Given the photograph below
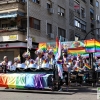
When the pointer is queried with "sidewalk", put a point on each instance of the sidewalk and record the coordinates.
(71, 91)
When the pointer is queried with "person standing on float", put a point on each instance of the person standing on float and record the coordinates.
(40, 58)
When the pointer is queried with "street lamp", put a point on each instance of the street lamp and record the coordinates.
(90, 32)
(27, 23)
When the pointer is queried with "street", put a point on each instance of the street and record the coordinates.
(75, 93)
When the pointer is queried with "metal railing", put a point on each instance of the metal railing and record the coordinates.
(11, 1)
(16, 28)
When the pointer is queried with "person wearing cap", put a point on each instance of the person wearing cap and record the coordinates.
(40, 58)
(27, 58)
(5, 60)
(16, 61)
(5, 63)
(51, 58)
(66, 68)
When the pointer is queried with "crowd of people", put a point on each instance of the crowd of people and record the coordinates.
(66, 64)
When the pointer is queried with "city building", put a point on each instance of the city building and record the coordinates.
(86, 18)
(47, 19)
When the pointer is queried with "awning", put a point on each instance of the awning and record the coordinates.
(8, 15)
(12, 14)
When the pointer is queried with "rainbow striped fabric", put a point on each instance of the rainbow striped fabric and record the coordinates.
(78, 47)
(92, 45)
(87, 66)
(24, 80)
(42, 46)
(80, 50)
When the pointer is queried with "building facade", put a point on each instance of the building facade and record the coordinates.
(69, 19)
(86, 18)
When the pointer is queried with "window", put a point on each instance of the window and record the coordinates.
(5, 25)
(49, 4)
(91, 2)
(97, 31)
(36, 1)
(80, 24)
(77, 23)
(83, 14)
(34, 23)
(91, 15)
(97, 4)
(61, 11)
(83, 27)
(84, 1)
(49, 28)
(97, 17)
(61, 32)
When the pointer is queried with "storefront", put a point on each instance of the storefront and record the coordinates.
(13, 49)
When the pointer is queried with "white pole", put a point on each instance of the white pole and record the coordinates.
(27, 23)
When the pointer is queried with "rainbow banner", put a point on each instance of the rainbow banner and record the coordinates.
(42, 46)
(97, 46)
(92, 46)
(24, 80)
(87, 66)
(79, 50)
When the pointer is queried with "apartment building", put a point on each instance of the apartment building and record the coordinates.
(13, 29)
(47, 20)
(86, 18)
(97, 9)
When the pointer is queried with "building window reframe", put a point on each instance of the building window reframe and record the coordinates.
(61, 11)
(97, 4)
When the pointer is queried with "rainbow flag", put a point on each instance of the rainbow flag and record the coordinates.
(92, 45)
(89, 45)
(87, 66)
(57, 45)
(97, 46)
(79, 50)
(42, 46)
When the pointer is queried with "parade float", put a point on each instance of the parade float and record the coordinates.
(40, 77)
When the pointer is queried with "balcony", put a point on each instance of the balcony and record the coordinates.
(11, 29)
(11, 1)
(8, 7)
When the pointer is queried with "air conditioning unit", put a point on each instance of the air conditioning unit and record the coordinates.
(51, 35)
(51, 10)
(62, 14)
(58, 13)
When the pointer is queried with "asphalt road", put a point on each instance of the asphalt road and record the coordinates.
(75, 93)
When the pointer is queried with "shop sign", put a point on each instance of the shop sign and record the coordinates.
(13, 37)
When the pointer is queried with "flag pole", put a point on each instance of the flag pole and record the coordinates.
(27, 23)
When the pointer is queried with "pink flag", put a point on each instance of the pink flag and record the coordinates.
(58, 54)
